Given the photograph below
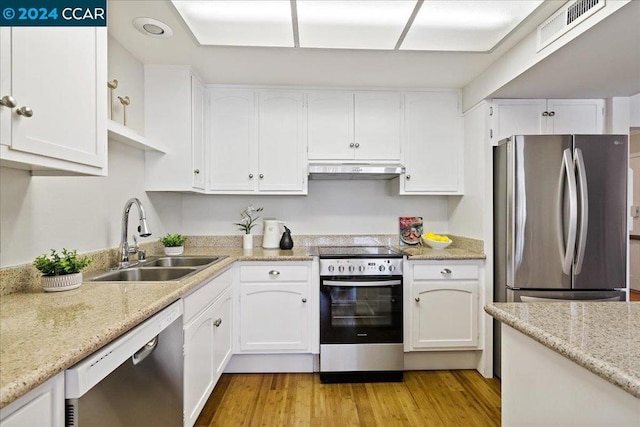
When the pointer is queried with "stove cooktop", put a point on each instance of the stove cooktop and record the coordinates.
(336, 252)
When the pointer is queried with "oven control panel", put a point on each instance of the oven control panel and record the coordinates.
(361, 267)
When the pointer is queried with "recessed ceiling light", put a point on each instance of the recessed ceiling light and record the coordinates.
(152, 27)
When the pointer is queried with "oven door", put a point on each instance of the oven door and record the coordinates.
(361, 310)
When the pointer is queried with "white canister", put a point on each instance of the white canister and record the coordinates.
(271, 233)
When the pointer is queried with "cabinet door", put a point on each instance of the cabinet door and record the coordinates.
(222, 338)
(199, 369)
(582, 116)
(377, 125)
(518, 117)
(60, 74)
(330, 125)
(281, 143)
(274, 318)
(432, 141)
(198, 132)
(42, 406)
(444, 314)
(232, 145)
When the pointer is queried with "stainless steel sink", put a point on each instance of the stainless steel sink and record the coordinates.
(181, 261)
(138, 274)
(163, 269)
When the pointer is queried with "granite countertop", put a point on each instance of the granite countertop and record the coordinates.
(603, 337)
(42, 334)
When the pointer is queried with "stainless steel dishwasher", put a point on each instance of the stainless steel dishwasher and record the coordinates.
(134, 381)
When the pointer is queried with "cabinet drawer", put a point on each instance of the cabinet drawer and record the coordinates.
(205, 295)
(444, 272)
(274, 273)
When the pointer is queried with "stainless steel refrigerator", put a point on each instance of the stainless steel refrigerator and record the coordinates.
(560, 219)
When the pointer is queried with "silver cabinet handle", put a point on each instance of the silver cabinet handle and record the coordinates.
(304, 300)
(552, 113)
(417, 299)
(545, 114)
(352, 145)
(408, 177)
(357, 145)
(261, 175)
(274, 273)
(197, 171)
(25, 111)
(217, 323)
(8, 101)
(250, 176)
(446, 271)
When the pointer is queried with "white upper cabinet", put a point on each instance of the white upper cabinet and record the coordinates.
(546, 116)
(174, 100)
(231, 140)
(57, 77)
(432, 144)
(361, 126)
(257, 142)
(281, 147)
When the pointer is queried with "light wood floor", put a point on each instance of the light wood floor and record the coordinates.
(425, 398)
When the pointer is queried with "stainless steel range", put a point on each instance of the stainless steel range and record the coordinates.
(360, 314)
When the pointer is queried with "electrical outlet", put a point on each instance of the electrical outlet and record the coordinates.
(635, 211)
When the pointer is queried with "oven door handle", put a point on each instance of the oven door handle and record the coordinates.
(359, 284)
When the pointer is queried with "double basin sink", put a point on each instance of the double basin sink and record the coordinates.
(163, 269)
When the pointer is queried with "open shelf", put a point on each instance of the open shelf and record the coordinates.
(125, 135)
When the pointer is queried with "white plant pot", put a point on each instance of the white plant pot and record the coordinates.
(173, 250)
(247, 241)
(65, 282)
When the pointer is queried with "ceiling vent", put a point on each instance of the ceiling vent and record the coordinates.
(569, 16)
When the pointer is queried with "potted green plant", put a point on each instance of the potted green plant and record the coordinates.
(247, 222)
(173, 244)
(61, 272)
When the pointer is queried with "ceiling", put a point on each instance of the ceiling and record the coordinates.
(576, 71)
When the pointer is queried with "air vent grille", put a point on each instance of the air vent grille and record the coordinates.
(566, 18)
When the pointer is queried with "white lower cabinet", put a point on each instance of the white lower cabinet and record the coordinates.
(441, 306)
(42, 406)
(275, 313)
(207, 342)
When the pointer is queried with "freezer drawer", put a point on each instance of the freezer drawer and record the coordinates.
(551, 296)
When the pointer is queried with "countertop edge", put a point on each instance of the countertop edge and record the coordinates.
(598, 366)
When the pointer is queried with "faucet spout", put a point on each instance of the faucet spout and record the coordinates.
(143, 230)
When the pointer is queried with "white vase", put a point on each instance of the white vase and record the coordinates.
(247, 241)
(173, 250)
(64, 282)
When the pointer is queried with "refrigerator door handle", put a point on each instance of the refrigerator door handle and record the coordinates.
(567, 248)
(584, 210)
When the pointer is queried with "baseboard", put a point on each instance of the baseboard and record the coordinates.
(271, 363)
(441, 360)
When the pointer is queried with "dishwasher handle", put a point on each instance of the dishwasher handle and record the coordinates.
(145, 351)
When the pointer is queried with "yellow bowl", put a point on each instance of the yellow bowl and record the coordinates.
(435, 244)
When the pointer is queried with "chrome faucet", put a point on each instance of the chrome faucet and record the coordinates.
(143, 231)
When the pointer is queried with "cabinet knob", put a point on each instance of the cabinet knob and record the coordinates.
(545, 114)
(8, 101)
(197, 171)
(408, 177)
(357, 145)
(446, 271)
(25, 111)
(304, 300)
(261, 175)
(217, 323)
(250, 176)
(274, 273)
(352, 145)
(417, 299)
(552, 113)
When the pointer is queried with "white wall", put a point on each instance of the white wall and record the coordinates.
(46, 212)
(129, 72)
(332, 207)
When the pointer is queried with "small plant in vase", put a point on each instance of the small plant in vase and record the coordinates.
(61, 272)
(247, 222)
(173, 244)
